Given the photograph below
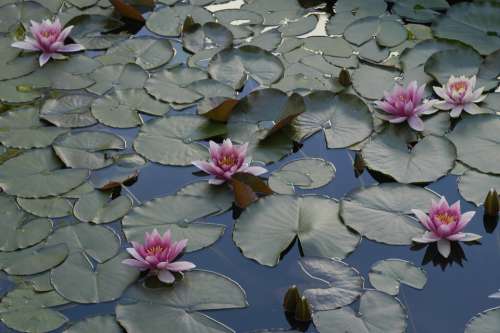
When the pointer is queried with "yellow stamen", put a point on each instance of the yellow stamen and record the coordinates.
(155, 250)
(445, 218)
(459, 87)
(227, 160)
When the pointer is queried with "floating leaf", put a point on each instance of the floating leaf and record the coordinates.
(428, 160)
(197, 291)
(33, 260)
(348, 11)
(387, 275)
(378, 313)
(172, 140)
(37, 173)
(109, 77)
(147, 52)
(168, 21)
(68, 111)
(19, 230)
(371, 82)
(345, 119)
(102, 324)
(474, 186)
(28, 311)
(419, 11)
(98, 207)
(477, 141)
(265, 229)
(484, 322)
(47, 207)
(120, 108)
(80, 281)
(442, 64)
(382, 213)
(197, 37)
(304, 174)
(340, 284)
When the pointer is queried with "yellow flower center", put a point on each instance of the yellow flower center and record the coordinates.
(459, 87)
(227, 160)
(445, 218)
(155, 250)
(47, 34)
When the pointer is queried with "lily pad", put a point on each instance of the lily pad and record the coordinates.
(172, 140)
(475, 24)
(197, 37)
(345, 119)
(80, 281)
(304, 174)
(371, 82)
(168, 21)
(378, 313)
(47, 207)
(33, 260)
(120, 108)
(339, 284)
(348, 11)
(442, 64)
(383, 213)
(102, 324)
(266, 228)
(484, 322)
(197, 291)
(68, 111)
(477, 141)
(19, 230)
(109, 77)
(147, 52)
(98, 207)
(387, 275)
(37, 173)
(431, 158)
(25, 310)
(474, 186)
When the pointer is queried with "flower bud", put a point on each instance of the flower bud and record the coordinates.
(291, 299)
(302, 311)
(345, 78)
(491, 203)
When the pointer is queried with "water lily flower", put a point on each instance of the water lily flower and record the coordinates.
(405, 104)
(458, 95)
(158, 255)
(226, 160)
(444, 224)
(49, 39)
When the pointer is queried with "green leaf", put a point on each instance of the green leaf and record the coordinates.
(382, 213)
(109, 77)
(98, 207)
(387, 275)
(168, 21)
(102, 324)
(474, 186)
(484, 322)
(68, 111)
(442, 64)
(33, 260)
(266, 228)
(47, 207)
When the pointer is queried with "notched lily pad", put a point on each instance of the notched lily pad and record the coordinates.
(387, 275)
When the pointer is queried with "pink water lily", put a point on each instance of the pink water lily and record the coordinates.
(226, 160)
(405, 104)
(49, 39)
(158, 255)
(444, 224)
(459, 95)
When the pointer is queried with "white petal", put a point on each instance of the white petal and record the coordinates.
(444, 247)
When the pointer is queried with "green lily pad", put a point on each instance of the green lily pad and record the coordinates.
(172, 140)
(47, 207)
(33, 260)
(41, 282)
(102, 324)
(338, 283)
(442, 64)
(391, 33)
(418, 10)
(168, 21)
(147, 52)
(345, 119)
(231, 66)
(197, 37)
(475, 24)
(484, 322)
(14, 14)
(371, 82)
(109, 77)
(19, 230)
(98, 207)
(477, 141)
(378, 313)
(120, 108)
(348, 11)
(80, 281)
(22, 128)
(431, 158)
(37, 173)
(383, 213)
(28, 311)
(387, 275)
(474, 186)
(199, 290)
(305, 174)
(266, 228)
(68, 111)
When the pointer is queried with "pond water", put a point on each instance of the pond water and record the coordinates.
(457, 287)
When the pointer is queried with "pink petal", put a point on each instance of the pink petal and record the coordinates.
(456, 111)
(70, 48)
(216, 181)
(133, 252)
(214, 150)
(444, 247)
(470, 237)
(180, 266)
(255, 170)
(472, 108)
(44, 58)
(443, 105)
(422, 217)
(166, 277)
(26, 46)
(209, 168)
(464, 220)
(136, 263)
(427, 237)
(416, 123)
(440, 92)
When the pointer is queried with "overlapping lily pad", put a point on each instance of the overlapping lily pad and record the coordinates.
(33, 260)
(47, 207)
(99, 207)
(484, 322)
(68, 111)
(269, 226)
(474, 186)
(109, 77)
(104, 324)
(382, 213)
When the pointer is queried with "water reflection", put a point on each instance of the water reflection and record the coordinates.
(457, 254)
